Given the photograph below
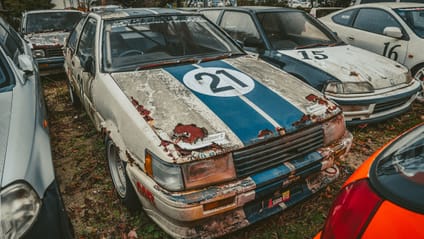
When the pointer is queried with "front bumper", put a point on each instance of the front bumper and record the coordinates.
(221, 209)
(378, 107)
(52, 221)
(51, 65)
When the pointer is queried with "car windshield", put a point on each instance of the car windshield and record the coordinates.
(145, 42)
(51, 21)
(294, 30)
(414, 17)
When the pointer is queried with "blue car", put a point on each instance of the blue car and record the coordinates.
(30, 201)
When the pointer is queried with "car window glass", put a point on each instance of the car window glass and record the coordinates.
(51, 21)
(13, 45)
(73, 37)
(414, 18)
(4, 81)
(374, 20)
(86, 45)
(239, 26)
(288, 30)
(212, 15)
(343, 18)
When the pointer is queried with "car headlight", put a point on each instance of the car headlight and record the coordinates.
(38, 53)
(20, 206)
(190, 175)
(349, 88)
(334, 129)
(209, 171)
(165, 174)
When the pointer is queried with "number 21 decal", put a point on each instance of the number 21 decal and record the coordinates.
(319, 55)
(220, 82)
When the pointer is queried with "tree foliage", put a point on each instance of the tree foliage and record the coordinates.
(14, 8)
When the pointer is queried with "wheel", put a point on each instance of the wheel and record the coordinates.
(72, 97)
(121, 182)
(131, 52)
(418, 73)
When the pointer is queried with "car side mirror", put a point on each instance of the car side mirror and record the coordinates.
(394, 32)
(25, 64)
(89, 65)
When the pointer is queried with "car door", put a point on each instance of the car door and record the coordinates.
(367, 32)
(83, 67)
(70, 50)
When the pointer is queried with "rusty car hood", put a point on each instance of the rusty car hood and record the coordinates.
(47, 38)
(5, 108)
(233, 102)
(351, 64)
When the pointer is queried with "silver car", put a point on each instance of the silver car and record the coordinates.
(30, 202)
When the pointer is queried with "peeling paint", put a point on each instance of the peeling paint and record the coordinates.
(143, 112)
(189, 133)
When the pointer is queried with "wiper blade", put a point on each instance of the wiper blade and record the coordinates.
(167, 63)
(316, 45)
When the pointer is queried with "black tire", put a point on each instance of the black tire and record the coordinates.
(418, 71)
(121, 182)
(72, 96)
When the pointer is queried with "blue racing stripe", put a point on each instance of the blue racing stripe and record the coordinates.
(282, 111)
(242, 119)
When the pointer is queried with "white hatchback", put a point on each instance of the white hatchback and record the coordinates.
(394, 30)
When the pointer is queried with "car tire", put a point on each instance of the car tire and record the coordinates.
(418, 73)
(72, 96)
(121, 182)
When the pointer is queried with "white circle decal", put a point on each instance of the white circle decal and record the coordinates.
(220, 82)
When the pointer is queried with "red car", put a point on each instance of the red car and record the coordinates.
(384, 198)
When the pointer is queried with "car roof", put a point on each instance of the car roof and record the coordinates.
(140, 12)
(254, 9)
(52, 10)
(391, 5)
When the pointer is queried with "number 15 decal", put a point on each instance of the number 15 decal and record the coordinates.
(319, 55)
(220, 82)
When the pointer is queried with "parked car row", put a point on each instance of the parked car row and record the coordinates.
(212, 121)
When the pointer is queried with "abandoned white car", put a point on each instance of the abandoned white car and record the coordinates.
(369, 88)
(205, 136)
(394, 30)
(47, 31)
(30, 202)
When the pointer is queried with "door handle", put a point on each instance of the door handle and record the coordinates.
(351, 38)
(73, 63)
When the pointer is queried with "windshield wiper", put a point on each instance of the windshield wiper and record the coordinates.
(316, 45)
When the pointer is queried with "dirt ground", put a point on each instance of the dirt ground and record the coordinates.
(96, 212)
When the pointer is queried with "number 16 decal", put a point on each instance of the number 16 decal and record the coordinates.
(220, 82)
(390, 51)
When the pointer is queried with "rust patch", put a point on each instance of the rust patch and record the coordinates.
(189, 133)
(281, 131)
(316, 99)
(303, 120)
(130, 158)
(354, 73)
(143, 112)
(265, 132)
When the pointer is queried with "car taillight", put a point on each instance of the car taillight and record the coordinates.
(352, 210)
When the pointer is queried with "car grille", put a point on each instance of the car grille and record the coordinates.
(381, 107)
(258, 157)
(51, 52)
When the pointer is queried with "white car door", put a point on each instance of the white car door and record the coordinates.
(83, 66)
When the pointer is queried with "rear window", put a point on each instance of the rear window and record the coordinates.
(51, 21)
(398, 173)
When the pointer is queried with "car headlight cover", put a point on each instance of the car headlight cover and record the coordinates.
(349, 88)
(38, 53)
(165, 174)
(334, 129)
(209, 171)
(20, 206)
